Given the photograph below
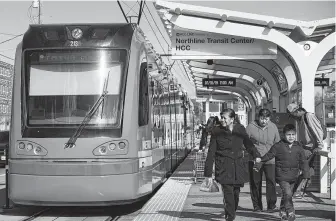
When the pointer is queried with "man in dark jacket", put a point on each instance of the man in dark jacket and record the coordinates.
(290, 161)
(263, 134)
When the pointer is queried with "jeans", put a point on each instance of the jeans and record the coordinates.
(286, 204)
(256, 185)
(231, 200)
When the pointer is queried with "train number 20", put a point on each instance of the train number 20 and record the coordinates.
(74, 43)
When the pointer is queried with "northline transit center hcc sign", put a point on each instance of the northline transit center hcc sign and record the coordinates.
(204, 45)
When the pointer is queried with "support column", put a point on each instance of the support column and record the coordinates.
(308, 71)
(207, 114)
(252, 116)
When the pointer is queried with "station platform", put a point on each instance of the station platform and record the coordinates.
(179, 199)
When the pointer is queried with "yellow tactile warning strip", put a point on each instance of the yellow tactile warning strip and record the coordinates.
(167, 203)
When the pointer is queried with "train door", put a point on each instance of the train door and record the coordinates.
(172, 103)
(165, 105)
(158, 155)
(145, 125)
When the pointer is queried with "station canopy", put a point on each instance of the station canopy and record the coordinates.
(257, 65)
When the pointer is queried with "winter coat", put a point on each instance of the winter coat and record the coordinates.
(227, 149)
(263, 137)
(288, 161)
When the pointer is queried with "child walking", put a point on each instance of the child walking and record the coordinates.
(290, 162)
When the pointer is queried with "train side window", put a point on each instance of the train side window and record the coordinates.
(143, 95)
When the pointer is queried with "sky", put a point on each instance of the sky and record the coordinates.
(14, 15)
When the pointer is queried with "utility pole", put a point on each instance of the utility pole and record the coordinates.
(37, 4)
(39, 11)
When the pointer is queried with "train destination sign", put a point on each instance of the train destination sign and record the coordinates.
(324, 82)
(188, 44)
(218, 82)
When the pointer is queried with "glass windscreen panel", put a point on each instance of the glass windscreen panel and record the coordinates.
(64, 85)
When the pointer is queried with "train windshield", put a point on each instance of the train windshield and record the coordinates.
(63, 85)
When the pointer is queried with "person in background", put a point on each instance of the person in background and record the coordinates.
(206, 132)
(227, 144)
(310, 135)
(263, 134)
(290, 161)
(199, 129)
(203, 136)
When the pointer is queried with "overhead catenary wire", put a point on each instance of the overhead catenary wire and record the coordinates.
(9, 34)
(178, 64)
(140, 11)
(6, 57)
(122, 10)
(156, 24)
(10, 39)
(131, 9)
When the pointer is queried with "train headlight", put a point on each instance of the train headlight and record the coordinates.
(122, 145)
(22, 146)
(29, 146)
(38, 150)
(112, 146)
(103, 150)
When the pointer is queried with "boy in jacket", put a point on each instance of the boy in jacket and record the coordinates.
(290, 162)
(310, 134)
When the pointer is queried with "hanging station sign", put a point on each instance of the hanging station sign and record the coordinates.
(188, 44)
(321, 82)
(218, 82)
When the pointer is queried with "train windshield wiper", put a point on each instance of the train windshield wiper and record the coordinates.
(71, 142)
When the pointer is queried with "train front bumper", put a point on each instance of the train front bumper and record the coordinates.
(71, 188)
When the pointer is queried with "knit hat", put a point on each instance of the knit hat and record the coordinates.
(292, 108)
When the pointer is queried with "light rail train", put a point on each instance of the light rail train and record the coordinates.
(95, 119)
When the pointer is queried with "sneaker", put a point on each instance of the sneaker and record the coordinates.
(297, 195)
(257, 210)
(291, 217)
(228, 218)
(272, 210)
(283, 215)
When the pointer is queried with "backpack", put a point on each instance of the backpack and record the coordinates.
(324, 129)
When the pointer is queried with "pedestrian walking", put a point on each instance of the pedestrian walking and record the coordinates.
(263, 134)
(227, 145)
(290, 161)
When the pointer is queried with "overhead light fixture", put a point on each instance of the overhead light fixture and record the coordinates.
(306, 47)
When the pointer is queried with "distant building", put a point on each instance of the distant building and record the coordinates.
(6, 79)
